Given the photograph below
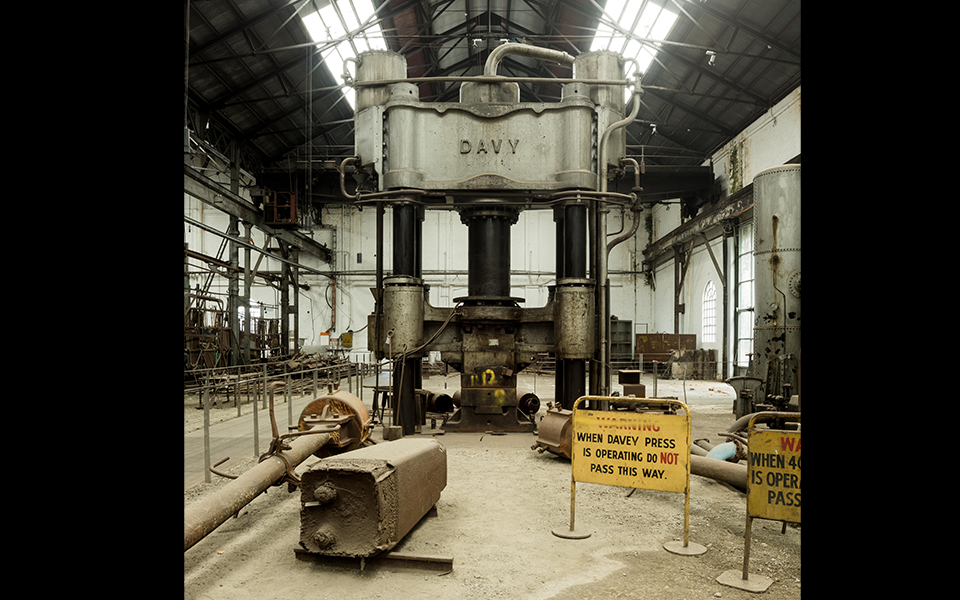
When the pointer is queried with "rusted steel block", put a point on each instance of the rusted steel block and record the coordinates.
(364, 502)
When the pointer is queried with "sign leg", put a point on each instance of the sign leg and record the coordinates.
(571, 534)
(685, 548)
(756, 583)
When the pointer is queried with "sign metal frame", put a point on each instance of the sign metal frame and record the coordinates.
(631, 420)
(748, 582)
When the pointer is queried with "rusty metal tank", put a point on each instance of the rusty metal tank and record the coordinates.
(776, 254)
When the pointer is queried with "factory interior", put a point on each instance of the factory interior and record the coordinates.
(492, 299)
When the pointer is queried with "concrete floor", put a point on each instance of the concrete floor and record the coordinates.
(495, 520)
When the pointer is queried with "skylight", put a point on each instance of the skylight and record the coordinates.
(337, 23)
(640, 19)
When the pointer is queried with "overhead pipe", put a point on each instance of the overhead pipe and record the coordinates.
(523, 198)
(486, 79)
(515, 49)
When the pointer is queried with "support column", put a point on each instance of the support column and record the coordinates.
(558, 376)
(247, 282)
(233, 292)
(378, 300)
(295, 282)
(284, 301)
(572, 238)
(233, 284)
(406, 261)
(679, 272)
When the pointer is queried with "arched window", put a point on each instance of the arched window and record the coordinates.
(710, 313)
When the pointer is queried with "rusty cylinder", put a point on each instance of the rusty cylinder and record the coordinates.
(439, 402)
(529, 403)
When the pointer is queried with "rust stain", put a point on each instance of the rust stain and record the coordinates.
(774, 257)
(775, 222)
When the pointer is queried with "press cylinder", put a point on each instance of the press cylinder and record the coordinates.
(479, 92)
(574, 317)
(377, 65)
(610, 100)
(403, 307)
(602, 64)
(488, 251)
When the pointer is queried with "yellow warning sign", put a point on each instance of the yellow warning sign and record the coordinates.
(773, 482)
(630, 449)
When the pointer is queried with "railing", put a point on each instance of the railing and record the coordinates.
(258, 386)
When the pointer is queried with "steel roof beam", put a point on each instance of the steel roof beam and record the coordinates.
(219, 197)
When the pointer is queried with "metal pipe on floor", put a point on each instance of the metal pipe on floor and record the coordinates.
(733, 473)
(202, 519)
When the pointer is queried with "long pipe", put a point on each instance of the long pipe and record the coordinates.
(733, 473)
(601, 248)
(206, 516)
(628, 234)
(486, 79)
(548, 197)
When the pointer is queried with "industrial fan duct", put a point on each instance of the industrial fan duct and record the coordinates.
(490, 156)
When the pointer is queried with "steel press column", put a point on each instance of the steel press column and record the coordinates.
(406, 262)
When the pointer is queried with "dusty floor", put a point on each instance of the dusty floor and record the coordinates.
(495, 519)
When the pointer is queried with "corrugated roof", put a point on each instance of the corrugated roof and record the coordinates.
(255, 76)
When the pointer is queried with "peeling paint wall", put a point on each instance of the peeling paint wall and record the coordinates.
(771, 140)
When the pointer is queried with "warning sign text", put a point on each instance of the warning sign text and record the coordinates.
(629, 449)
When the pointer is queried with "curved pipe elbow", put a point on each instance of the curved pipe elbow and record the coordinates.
(343, 169)
(515, 49)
